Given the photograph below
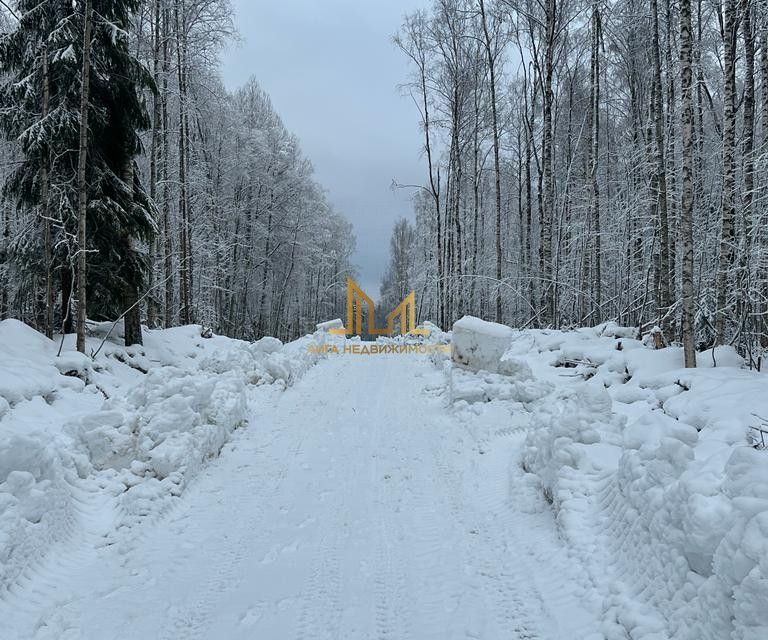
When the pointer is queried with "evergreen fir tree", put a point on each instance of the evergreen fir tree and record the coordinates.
(47, 43)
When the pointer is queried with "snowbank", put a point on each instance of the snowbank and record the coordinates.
(172, 421)
(649, 468)
(23, 377)
(36, 504)
(135, 424)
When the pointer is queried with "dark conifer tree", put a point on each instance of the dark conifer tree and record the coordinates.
(42, 55)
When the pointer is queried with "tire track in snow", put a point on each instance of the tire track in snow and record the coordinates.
(322, 606)
(492, 545)
(263, 483)
(536, 577)
(321, 609)
(40, 593)
(392, 491)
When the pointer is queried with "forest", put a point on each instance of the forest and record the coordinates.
(137, 187)
(590, 161)
(584, 161)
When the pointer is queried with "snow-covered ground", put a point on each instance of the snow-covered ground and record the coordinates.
(126, 430)
(552, 485)
(652, 471)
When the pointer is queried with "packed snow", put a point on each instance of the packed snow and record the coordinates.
(532, 484)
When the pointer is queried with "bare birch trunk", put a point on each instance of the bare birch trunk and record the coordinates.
(664, 294)
(548, 189)
(748, 160)
(594, 151)
(496, 159)
(686, 209)
(183, 200)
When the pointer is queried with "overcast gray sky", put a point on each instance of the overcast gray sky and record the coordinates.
(332, 72)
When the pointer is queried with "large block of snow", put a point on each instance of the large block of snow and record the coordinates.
(477, 344)
(325, 327)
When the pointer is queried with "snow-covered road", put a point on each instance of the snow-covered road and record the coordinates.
(355, 505)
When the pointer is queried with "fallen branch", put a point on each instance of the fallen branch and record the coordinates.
(124, 313)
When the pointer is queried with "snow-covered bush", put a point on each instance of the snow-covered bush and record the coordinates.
(612, 329)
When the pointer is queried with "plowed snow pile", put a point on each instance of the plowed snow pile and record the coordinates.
(132, 426)
(652, 470)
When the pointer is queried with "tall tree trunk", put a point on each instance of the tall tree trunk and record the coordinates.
(190, 270)
(67, 284)
(671, 138)
(762, 279)
(5, 222)
(434, 188)
(45, 208)
(748, 160)
(593, 161)
(130, 294)
(476, 179)
(686, 208)
(82, 187)
(728, 212)
(455, 230)
(155, 156)
(167, 235)
(528, 244)
(261, 323)
(548, 189)
(490, 53)
(184, 289)
(663, 277)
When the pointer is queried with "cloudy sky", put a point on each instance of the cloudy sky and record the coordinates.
(332, 72)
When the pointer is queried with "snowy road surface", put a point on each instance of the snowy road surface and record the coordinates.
(355, 505)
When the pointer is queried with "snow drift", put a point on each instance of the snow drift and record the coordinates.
(136, 424)
(650, 469)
